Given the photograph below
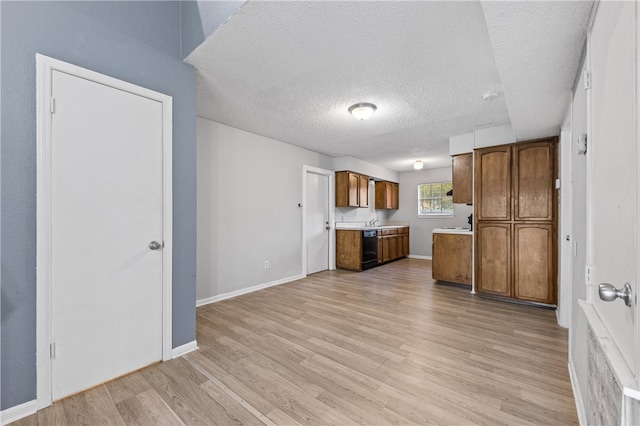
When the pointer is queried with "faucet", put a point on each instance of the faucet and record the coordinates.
(372, 222)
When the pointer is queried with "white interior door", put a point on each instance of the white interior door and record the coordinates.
(106, 209)
(613, 171)
(317, 223)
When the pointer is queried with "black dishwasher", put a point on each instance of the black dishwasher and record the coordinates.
(369, 249)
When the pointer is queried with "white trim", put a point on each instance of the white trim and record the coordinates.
(18, 412)
(417, 256)
(184, 349)
(332, 208)
(44, 68)
(229, 295)
(577, 394)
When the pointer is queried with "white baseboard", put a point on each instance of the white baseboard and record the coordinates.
(240, 292)
(417, 256)
(577, 395)
(184, 349)
(17, 412)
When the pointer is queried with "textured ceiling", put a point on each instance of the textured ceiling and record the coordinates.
(290, 70)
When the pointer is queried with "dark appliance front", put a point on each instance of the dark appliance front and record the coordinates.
(369, 249)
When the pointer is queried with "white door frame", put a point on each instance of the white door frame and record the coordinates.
(44, 71)
(332, 208)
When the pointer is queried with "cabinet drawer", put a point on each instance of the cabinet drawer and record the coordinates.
(389, 231)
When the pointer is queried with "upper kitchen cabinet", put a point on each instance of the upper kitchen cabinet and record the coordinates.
(493, 183)
(534, 167)
(352, 189)
(387, 195)
(463, 178)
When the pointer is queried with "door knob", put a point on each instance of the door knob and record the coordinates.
(154, 245)
(609, 293)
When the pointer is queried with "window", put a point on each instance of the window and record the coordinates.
(433, 199)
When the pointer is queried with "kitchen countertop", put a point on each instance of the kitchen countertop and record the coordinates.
(453, 230)
(357, 226)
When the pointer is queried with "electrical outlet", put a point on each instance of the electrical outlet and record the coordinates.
(266, 264)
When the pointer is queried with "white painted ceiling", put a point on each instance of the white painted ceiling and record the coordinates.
(289, 71)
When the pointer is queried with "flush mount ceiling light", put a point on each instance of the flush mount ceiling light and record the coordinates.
(362, 111)
(489, 96)
(418, 165)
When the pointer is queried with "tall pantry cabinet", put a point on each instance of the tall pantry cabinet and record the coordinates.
(516, 220)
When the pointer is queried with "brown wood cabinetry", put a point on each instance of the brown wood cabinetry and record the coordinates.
(493, 258)
(349, 249)
(352, 189)
(393, 244)
(534, 262)
(387, 197)
(533, 181)
(462, 178)
(493, 183)
(452, 258)
(515, 220)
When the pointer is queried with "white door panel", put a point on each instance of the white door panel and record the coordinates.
(106, 291)
(613, 191)
(316, 222)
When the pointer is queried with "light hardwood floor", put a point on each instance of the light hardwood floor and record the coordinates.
(384, 346)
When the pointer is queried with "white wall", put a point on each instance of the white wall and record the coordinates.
(422, 228)
(249, 188)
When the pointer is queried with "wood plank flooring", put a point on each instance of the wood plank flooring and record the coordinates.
(384, 346)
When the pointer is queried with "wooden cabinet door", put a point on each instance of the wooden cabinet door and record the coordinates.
(462, 178)
(493, 183)
(386, 256)
(395, 196)
(534, 262)
(354, 189)
(493, 258)
(393, 247)
(534, 174)
(405, 243)
(363, 191)
(349, 250)
(452, 258)
(380, 249)
(388, 196)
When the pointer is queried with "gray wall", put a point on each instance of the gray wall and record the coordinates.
(249, 187)
(130, 41)
(422, 228)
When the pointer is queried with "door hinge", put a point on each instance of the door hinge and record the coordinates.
(52, 350)
(587, 80)
(587, 274)
(52, 105)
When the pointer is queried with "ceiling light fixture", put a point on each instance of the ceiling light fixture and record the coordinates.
(489, 96)
(418, 165)
(362, 111)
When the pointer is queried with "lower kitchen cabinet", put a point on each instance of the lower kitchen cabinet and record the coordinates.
(534, 262)
(349, 250)
(517, 261)
(493, 258)
(392, 244)
(452, 257)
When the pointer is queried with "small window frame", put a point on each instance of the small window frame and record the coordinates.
(442, 197)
